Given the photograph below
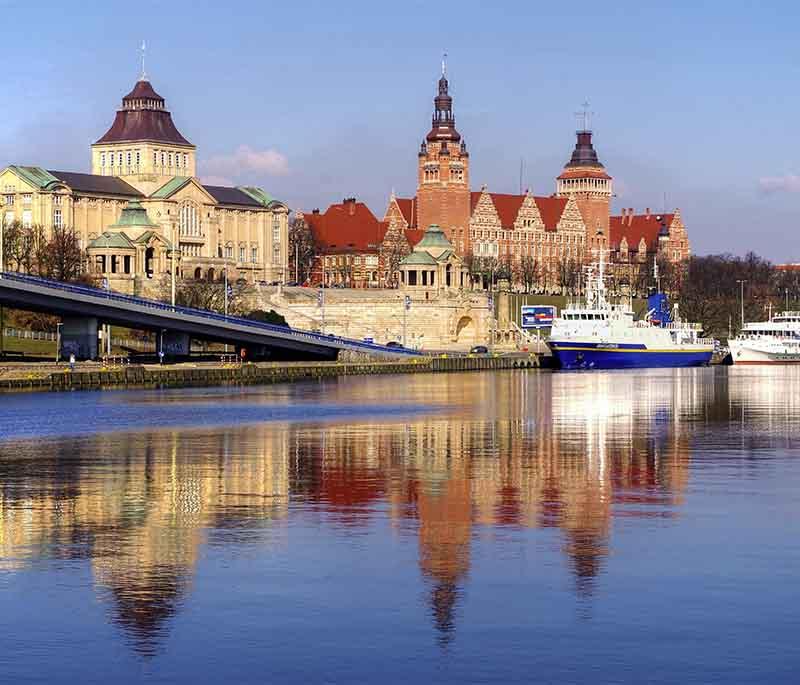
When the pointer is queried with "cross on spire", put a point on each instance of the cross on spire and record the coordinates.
(584, 116)
(142, 50)
(444, 64)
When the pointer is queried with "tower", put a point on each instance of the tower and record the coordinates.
(585, 179)
(143, 146)
(443, 173)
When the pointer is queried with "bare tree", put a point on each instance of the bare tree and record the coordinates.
(302, 249)
(527, 272)
(207, 295)
(63, 259)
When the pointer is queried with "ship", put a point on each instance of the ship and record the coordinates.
(598, 334)
(776, 341)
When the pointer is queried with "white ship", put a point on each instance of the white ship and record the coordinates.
(597, 334)
(776, 341)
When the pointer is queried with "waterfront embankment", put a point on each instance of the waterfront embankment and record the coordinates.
(195, 375)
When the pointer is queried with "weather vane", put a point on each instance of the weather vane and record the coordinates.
(444, 64)
(585, 116)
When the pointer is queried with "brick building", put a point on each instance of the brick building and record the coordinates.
(354, 248)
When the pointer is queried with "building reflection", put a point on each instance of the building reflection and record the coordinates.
(570, 453)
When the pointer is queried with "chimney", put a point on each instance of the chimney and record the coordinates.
(630, 216)
(623, 215)
(315, 211)
(647, 213)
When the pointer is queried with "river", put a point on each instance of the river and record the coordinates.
(451, 528)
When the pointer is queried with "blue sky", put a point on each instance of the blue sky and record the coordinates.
(316, 101)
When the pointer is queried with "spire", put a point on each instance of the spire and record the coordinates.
(584, 154)
(142, 51)
(584, 117)
(443, 123)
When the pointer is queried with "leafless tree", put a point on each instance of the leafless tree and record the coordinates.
(302, 249)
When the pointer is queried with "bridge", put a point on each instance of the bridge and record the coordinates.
(82, 309)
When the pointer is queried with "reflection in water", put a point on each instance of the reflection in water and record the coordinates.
(566, 452)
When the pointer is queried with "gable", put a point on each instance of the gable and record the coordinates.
(183, 188)
(484, 213)
(11, 178)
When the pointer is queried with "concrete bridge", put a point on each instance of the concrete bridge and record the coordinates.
(83, 309)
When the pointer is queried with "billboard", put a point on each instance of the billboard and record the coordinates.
(538, 316)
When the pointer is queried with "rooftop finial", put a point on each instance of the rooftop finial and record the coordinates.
(584, 116)
(142, 50)
(444, 64)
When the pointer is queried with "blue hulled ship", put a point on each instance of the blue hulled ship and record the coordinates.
(596, 334)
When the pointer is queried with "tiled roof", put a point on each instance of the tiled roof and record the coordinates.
(111, 239)
(133, 215)
(34, 175)
(170, 187)
(346, 227)
(508, 206)
(634, 228)
(408, 207)
(98, 185)
(232, 196)
(583, 172)
(414, 235)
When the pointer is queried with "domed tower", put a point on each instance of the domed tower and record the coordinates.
(143, 146)
(585, 179)
(443, 173)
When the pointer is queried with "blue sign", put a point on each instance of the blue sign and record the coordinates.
(538, 316)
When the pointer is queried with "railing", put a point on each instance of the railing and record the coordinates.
(203, 313)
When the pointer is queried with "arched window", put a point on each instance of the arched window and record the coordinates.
(188, 218)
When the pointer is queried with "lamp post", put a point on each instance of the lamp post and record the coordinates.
(741, 284)
(58, 340)
(173, 268)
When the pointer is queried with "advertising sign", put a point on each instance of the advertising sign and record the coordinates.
(538, 316)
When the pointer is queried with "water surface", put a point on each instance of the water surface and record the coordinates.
(478, 527)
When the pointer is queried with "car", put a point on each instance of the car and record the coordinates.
(394, 343)
(291, 284)
(479, 349)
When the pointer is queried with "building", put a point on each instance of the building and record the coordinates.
(433, 264)
(143, 187)
(539, 241)
(354, 248)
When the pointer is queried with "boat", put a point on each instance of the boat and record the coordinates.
(776, 341)
(598, 334)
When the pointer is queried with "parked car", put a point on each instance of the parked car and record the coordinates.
(479, 349)
(394, 343)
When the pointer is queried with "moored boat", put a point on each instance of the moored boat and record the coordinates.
(596, 334)
(776, 341)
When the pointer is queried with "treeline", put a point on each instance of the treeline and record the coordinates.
(710, 291)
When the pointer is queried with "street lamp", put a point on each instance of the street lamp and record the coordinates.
(741, 284)
(173, 268)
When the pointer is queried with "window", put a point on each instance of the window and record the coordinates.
(9, 218)
(170, 159)
(57, 200)
(126, 262)
(138, 158)
(9, 200)
(155, 157)
(241, 254)
(177, 160)
(102, 159)
(128, 157)
(185, 160)
(254, 255)
(27, 198)
(457, 174)
(119, 159)
(276, 254)
(276, 229)
(57, 220)
(229, 251)
(163, 158)
(27, 220)
(188, 220)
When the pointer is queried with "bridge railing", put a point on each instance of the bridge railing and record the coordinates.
(204, 313)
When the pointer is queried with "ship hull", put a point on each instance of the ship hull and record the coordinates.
(745, 354)
(579, 355)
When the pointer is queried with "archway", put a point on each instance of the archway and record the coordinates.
(210, 274)
(465, 330)
(198, 273)
(149, 255)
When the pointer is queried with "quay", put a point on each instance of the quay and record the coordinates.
(197, 375)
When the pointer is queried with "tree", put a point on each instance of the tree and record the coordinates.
(302, 249)
(63, 259)
(527, 272)
(270, 316)
(207, 295)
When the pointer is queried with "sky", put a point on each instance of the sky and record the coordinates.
(695, 103)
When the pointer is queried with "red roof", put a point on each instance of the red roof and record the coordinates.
(414, 235)
(634, 228)
(347, 227)
(787, 267)
(408, 208)
(508, 206)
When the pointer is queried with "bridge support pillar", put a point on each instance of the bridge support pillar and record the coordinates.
(175, 344)
(78, 337)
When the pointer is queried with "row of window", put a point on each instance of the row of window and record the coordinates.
(542, 251)
(27, 218)
(517, 236)
(431, 173)
(133, 158)
(342, 260)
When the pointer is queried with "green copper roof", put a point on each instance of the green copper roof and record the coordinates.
(145, 238)
(170, 187)
(34, 175)
(434, 237)
(257, 194)
(133, 215)
(112, 239)
(418, 259)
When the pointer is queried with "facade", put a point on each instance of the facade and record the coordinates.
(144, 159)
